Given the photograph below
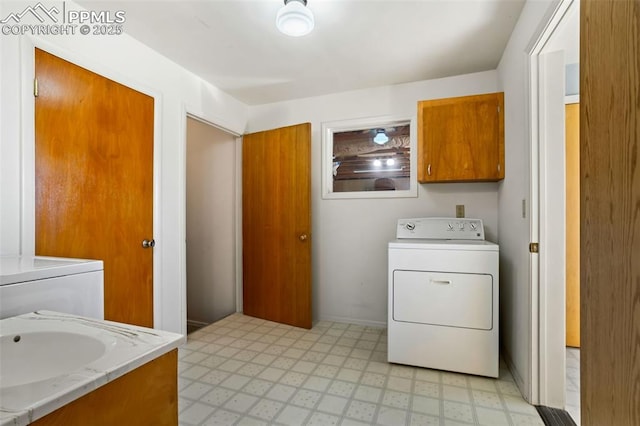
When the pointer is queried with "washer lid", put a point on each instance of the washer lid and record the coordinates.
(429, 244)
(17, 269)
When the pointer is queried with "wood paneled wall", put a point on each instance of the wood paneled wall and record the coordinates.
(610, 216)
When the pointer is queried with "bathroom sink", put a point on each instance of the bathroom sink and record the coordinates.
(35, 356)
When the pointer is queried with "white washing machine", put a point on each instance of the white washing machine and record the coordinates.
(31, 283)
(443, 296)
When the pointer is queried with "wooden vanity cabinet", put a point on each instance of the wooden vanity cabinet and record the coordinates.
(461, 139)
(147, 395)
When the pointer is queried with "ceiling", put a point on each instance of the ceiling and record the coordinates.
(356, 44)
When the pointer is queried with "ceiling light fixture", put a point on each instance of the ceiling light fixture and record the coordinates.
(294, 18)
(381, 137)
(399, 169)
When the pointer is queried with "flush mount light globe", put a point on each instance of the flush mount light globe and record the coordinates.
(294, 18)
(381, 137)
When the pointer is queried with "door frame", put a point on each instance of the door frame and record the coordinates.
(186, 113)
(28, 44)
(547, 361)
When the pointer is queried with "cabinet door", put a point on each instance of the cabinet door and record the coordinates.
(461, 139)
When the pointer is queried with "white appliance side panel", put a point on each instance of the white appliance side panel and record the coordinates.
(443, 298)
(80, 294)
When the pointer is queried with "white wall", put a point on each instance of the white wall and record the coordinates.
(211, 219)
(350, 236)
(127, 61)
(513, 228)
(10, 147)
(566, 36)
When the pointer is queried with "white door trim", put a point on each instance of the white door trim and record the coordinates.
(552, 257)
(545, 387)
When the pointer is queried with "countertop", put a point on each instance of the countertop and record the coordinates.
(128, 347)
(17, 269)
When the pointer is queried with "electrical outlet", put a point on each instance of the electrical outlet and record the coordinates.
(460, 210)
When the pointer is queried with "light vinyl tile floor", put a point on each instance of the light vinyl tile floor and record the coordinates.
(573, 383)
(247, 371)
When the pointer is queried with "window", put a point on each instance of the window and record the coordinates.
(369, 158)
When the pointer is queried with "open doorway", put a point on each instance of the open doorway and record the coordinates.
(211, 223)
(556, 85)
(565, 39)
(572, 173)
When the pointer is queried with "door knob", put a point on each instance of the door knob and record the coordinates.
(303, 237)
(148, 243)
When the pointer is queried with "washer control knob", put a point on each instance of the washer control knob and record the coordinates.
(410, 226)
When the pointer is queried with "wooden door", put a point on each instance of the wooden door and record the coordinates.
(94, 180)
(610, 212)
(572, 224)
(276, 225)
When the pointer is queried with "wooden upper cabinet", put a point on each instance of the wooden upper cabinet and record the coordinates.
(461, 139)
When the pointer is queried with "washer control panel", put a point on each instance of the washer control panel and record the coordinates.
(441, 228)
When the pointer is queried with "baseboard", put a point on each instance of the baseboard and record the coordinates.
(515, 374)
(196, 324)
(367, 323)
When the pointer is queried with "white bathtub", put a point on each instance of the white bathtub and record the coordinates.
(48, 359)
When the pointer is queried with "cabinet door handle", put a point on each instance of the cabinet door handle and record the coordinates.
(429, 169)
